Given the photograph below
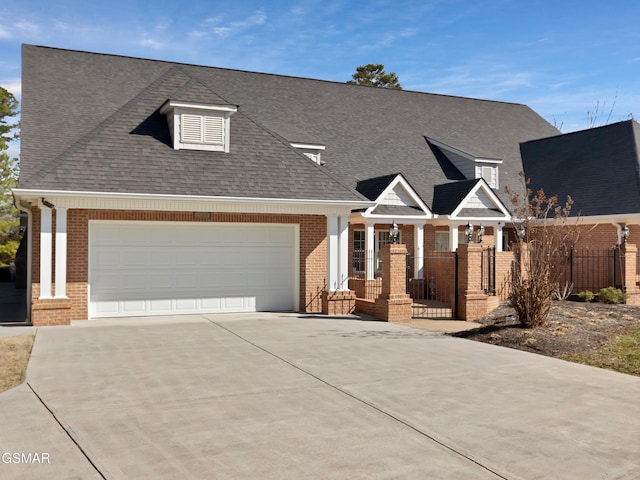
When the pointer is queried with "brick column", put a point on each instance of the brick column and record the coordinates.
(394, 305)
(473, 302)
(629, 282)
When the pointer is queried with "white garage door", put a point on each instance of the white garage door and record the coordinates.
(148, 268)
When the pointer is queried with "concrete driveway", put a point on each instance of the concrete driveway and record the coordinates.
(283, 396)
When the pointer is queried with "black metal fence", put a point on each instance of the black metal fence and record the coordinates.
(488, 270)
(588, 269)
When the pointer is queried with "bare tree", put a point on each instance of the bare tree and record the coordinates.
(545, 239)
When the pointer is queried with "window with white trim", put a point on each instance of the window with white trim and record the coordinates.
(360, 255)
(489, 173)
(208, 129)
(358, 251)
(311, 151)
(199, 127)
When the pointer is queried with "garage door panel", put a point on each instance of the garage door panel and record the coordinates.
(141, 269)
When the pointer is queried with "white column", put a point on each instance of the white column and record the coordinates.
(418, 261)
(343, 261)
(498, 238)
(46, 247)
(61, 253)
(332, 253)
(370, 260)
(453, 237)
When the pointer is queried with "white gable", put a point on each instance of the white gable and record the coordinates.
(479, 199)
(398, 196)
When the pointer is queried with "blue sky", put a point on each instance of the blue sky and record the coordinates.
(568, 60)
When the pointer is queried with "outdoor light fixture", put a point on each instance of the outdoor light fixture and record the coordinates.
(521, 231)
(47, 203)
(468, 230)
(624, 233)
(394, 233)
(480, 233)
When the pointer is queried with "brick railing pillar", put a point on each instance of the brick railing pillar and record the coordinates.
(394, 304)
(629, 282)
(473, 302)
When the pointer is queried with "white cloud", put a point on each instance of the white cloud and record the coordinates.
(222, 32)
(149, 42)
(25, 28)
(218, 27)
(12, 85)
(4, 33)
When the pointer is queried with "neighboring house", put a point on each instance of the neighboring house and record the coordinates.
(158, 188)
(600, 169)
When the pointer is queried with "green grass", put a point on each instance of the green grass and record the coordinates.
(621, 353)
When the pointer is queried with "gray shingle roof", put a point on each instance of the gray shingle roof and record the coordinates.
(399, 210)
(447, 197)
(599, 168)
(84, 115)
(372, 188)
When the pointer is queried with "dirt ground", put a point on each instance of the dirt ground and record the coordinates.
(573, 327)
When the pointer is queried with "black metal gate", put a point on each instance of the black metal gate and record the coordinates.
(434, 289)
(488, 269)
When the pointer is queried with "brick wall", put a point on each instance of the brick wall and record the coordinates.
(313, 256)
(504, 266)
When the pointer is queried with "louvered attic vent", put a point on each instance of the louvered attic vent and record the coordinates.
(199, 127)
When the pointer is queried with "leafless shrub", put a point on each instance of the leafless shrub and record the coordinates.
(542, 254)
(563, 290)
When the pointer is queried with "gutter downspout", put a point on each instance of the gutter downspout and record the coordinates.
(27, 210)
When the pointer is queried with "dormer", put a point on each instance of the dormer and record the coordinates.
(199, 127)
(472, 166)
(311, 150)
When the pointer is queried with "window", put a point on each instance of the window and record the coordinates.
(490, 175)
(358, 251)
(360, 254)
(209, 129)
(199, 127)
(310, 150)
(442, 241)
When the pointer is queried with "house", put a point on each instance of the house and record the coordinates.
(600, 169)
(156, 188)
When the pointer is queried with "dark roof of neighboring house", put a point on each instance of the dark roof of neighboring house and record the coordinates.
(599, 168)
(447, 197)
(373, 187)
(90, 122)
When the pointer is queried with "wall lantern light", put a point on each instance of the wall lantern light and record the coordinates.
(468, 230)
(394, 233)
(624, 233)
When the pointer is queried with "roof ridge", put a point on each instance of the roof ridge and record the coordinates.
(335, 82)
(87, 137)
(583, 131)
